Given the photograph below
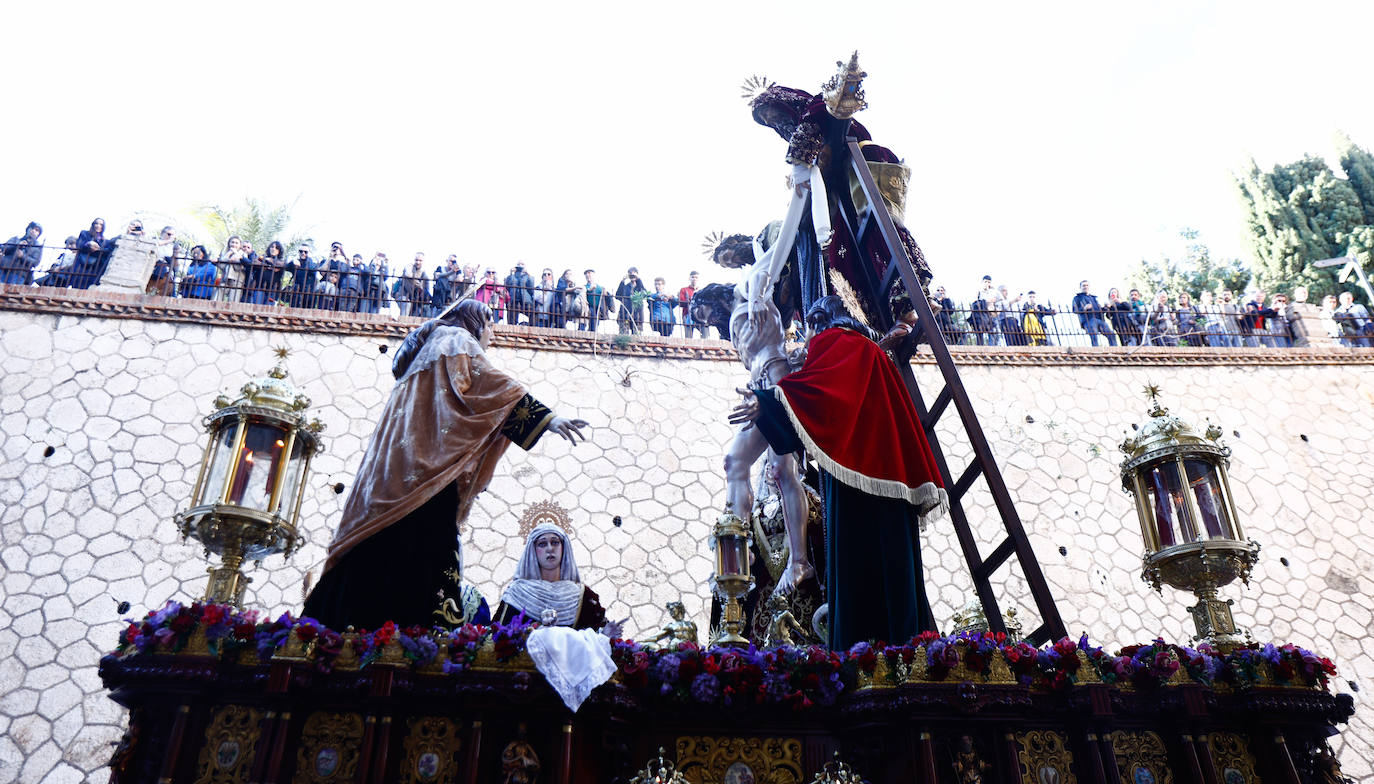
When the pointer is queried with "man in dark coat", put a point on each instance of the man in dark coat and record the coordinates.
(20, 256)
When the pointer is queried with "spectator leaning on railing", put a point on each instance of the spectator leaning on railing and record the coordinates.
(980, 318)
(944, 317)
(199, 282)
(1090, 315)
(20, 256)
(1122, 317)
(1033, 321)
(1188, 319)
(92, 255)
(1163, 323)
(1256, 322)
(1353, 320)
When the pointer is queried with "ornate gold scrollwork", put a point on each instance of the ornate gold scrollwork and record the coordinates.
(329, 746)
(1231, 752)
(1141, 757)
(715, 760)
(1045, 758)
(431, 749)
(230, 743)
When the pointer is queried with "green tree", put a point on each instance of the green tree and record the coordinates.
(1195, 273)
(1358, 164)
(253, 221)
(1301, 212)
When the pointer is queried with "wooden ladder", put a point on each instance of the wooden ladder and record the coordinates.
(877, 218)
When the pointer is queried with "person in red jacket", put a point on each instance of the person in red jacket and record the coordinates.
(684, 296)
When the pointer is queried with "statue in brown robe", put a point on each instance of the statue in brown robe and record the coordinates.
(449, 419)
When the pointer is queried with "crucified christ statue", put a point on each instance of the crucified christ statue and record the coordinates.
(749, 314)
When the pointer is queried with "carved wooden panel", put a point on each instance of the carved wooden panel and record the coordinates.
(226, 757)
(729, 760)
(1045, 758)
(328, 751)
(1141, 758)
(431, 751)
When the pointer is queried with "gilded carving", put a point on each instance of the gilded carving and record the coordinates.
(1045, 758)
(329, 748)
(431, 751)
(519, 762)
(1232, 755)
(542, 512)
(230, 742)
(1141, 757)
(726, 760)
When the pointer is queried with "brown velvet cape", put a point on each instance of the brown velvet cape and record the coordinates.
(442, 424)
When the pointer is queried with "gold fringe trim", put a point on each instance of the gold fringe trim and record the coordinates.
(930, 500)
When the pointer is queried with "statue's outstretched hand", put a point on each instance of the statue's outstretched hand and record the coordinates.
(614, 629)
(747, 411)
(894, 336)
(570, 429)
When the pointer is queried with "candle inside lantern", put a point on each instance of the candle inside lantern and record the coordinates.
(1202, 479)
(255, 475)
(1171, 508)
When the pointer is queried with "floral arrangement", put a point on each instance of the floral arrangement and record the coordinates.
(791, 676)
(787, 675)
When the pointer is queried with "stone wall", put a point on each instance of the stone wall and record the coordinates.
(101, 396)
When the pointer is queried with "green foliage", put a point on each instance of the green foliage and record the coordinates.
(1195, 273)
(253, 221)
(1301, 212)
(1358, 164)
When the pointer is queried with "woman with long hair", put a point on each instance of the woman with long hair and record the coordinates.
(92, 255)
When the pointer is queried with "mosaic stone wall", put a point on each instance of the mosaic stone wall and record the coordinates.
(101, 441)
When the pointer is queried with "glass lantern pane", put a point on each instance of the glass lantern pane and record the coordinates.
(257, 467)
(1171, 508)
(729, 554)
(1205, 485)
(221, 457)
(293, 469)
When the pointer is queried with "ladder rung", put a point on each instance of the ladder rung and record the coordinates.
(937, 408)
(996, 558)
(1039, 636)
(966, 480)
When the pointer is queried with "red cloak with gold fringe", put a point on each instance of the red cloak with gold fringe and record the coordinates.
(852, 412)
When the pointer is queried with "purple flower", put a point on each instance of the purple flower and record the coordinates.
(706, 688)
(166, 614)
(421, 650)
(775, 687)
(666, 670)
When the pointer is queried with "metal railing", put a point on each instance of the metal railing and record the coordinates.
(333, 285)
(1205, 327)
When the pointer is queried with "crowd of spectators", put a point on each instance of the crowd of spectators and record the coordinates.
(339, 282)
(335, 281)
(1219, 320)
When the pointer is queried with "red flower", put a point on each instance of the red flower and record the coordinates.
(689, 668)
(244, 631)
(306, 632)
(183, 622)
(214, 613)
(387, 633)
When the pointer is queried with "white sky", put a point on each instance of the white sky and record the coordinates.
(1049, 141)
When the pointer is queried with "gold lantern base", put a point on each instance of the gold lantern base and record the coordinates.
(1214, 622)
(731, 620)
(227, 585)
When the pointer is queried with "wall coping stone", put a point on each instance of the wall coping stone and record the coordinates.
(148, 307)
